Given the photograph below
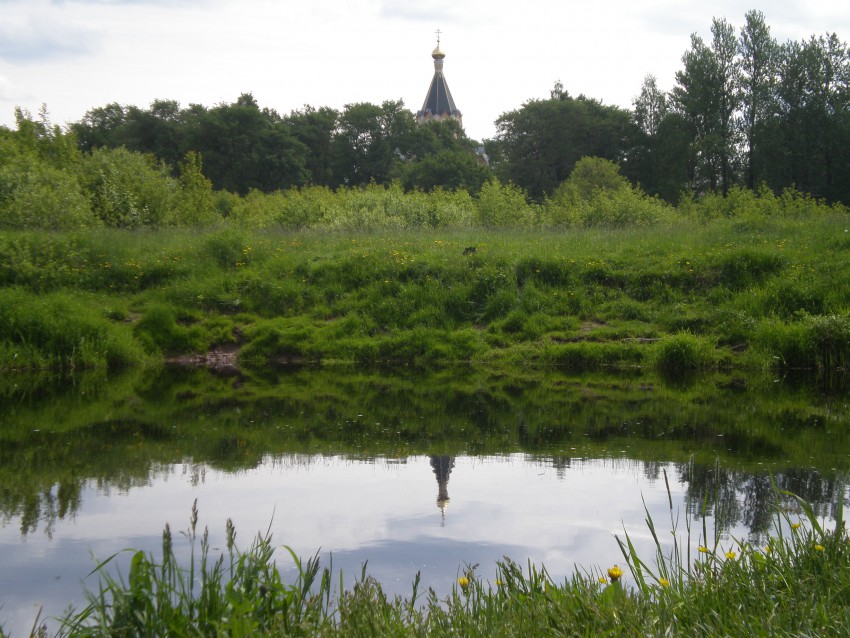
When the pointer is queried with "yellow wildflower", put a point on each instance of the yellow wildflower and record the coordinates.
(819, 547)
(664, 582)
(795, 525)
(614, 573)
(603, 580)
(703, 549)
(731, 555)
(499, 582)
(463, 581)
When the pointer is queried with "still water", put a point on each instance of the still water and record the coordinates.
(411, 472)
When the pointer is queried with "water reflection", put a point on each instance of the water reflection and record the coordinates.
(379, 510)
(542, 465)
(442, 466)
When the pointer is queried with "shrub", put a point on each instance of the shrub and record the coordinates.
(504, 205)
(36, 195)
(128, 190)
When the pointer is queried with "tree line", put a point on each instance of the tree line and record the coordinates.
(745, 111)
(245, 147)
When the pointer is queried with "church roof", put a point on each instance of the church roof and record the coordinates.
(438, 103)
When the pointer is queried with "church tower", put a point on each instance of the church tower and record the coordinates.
(439, 104)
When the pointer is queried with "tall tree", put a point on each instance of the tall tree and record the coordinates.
(369, 141)
(643, 157)
(812, 136)
(538, 145)
(244, 147)
(314, 128)
(707, 94)
(759, 54)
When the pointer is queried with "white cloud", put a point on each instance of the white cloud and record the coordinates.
(40, 36)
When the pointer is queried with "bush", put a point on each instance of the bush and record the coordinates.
(35, 195)
(595, 194)
(504, 205)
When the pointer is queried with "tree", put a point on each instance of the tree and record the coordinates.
(370, 141)
(314, 128)
(538, 145)
(101, 127)
(810, 139)
(759, 56)
(451, 169)
(642, 157)
(244, 147)
(707, 95)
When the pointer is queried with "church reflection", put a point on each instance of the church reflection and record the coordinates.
(442, 466)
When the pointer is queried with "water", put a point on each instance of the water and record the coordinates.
(412, 472)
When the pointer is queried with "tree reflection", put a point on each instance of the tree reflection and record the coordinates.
(741, 498)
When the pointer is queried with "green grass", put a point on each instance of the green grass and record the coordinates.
(796, 584)
(768, 294)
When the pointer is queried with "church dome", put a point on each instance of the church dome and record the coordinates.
(437, 54)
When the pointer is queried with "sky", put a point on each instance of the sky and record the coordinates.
(76, 55)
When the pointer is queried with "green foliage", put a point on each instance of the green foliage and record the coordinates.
(596, 194)
(61, 331)
(403, 291)
(39, 186)
(503, 205)
(35, 195)
(817, 343)
(128, 190)
(240, 597)
(196, 203)
(684, 352)
(161, 330)
(538, 145)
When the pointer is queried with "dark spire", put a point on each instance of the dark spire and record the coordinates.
(438, 104)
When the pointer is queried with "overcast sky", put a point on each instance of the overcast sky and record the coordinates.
(74, 55)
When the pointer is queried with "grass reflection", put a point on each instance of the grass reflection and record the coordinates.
(727, 434)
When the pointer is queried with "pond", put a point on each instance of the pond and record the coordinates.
(403, 471)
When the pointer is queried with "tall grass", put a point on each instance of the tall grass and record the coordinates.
(687, 295)
(797, 584)
(241, 594)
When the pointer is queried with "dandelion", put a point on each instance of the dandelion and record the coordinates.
(463, 581)
(603, 580)
(731, 555)
(663, 582)
(614, 573)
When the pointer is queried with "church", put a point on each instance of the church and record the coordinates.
(438, 104)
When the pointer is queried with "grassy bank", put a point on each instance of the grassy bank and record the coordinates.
(798, 584)
(761, 293)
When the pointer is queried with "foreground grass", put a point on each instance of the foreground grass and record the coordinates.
(799, 584)
(758, 292)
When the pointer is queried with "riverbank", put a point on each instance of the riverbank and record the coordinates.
(755, 293)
